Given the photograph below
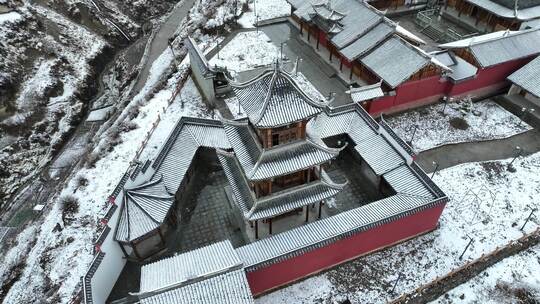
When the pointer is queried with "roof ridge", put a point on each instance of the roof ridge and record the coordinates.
(510, 34)
(142, 209)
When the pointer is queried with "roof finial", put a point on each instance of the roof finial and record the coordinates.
(516, 8)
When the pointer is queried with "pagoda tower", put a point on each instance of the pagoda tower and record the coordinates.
(275, 168)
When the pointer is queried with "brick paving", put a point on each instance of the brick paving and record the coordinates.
(212, 218)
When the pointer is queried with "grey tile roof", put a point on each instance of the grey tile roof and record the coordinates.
(277, 203)
(531, 12)
(228, 288)
(274, 99)
(199, 263)
(460, 69)
(379, 154)
(366, 92)
(405, 181)
(144, 209)
(260, 164)
(395, 61)
(528, 77)
(177, 153)
(368, 41)
(498, 49)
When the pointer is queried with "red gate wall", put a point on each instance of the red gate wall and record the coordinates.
(275, 275)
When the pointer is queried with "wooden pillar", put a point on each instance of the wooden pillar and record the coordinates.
(460, 8)
(123, 250)
(308, 33)
(341, 65)
(270, 225)
(309, 175)
(301, 28)
(330, 49)
(307, 213)
(269, 187)
(318, 39)
(134, 247)
(161, 236)
(350, 73)
(477, 19)
(256, 229)
(320, 209)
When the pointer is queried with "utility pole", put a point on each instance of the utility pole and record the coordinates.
(527, 220)
(510, 166)
(436, 164)
(466, 247)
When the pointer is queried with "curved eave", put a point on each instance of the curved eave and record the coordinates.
(259, 175)
(259, 211)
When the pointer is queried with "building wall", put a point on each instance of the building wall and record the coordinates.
(488, 80)
(410, 94)
(206, 85)
(292, 269)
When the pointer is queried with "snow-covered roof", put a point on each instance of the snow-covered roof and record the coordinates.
(500, 47)
(395, 61)
(502, 9)
(368, 41)
(260, 163)
(180, 269)
(367, 92)
(273, 99)
(528, 77)
(460, 69)
(144, 209)
(278, 203)
(177, 153)
(228, 288)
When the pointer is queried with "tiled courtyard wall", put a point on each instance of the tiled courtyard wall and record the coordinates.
(281, 273)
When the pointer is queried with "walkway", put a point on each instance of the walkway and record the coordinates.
(161, 40)
(455, 154)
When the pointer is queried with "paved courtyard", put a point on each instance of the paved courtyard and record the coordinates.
(210, 218)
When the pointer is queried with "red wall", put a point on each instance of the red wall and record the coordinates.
(410, 92)
(284, 272)
(322, 39)
(488, 77)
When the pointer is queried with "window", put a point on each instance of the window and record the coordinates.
(275, 139)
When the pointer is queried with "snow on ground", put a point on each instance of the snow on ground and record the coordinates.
(264, 10)
(9, 17)
(515, 279)
(246, 51)
(485, 120)
(192, 106)
(487, 203)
